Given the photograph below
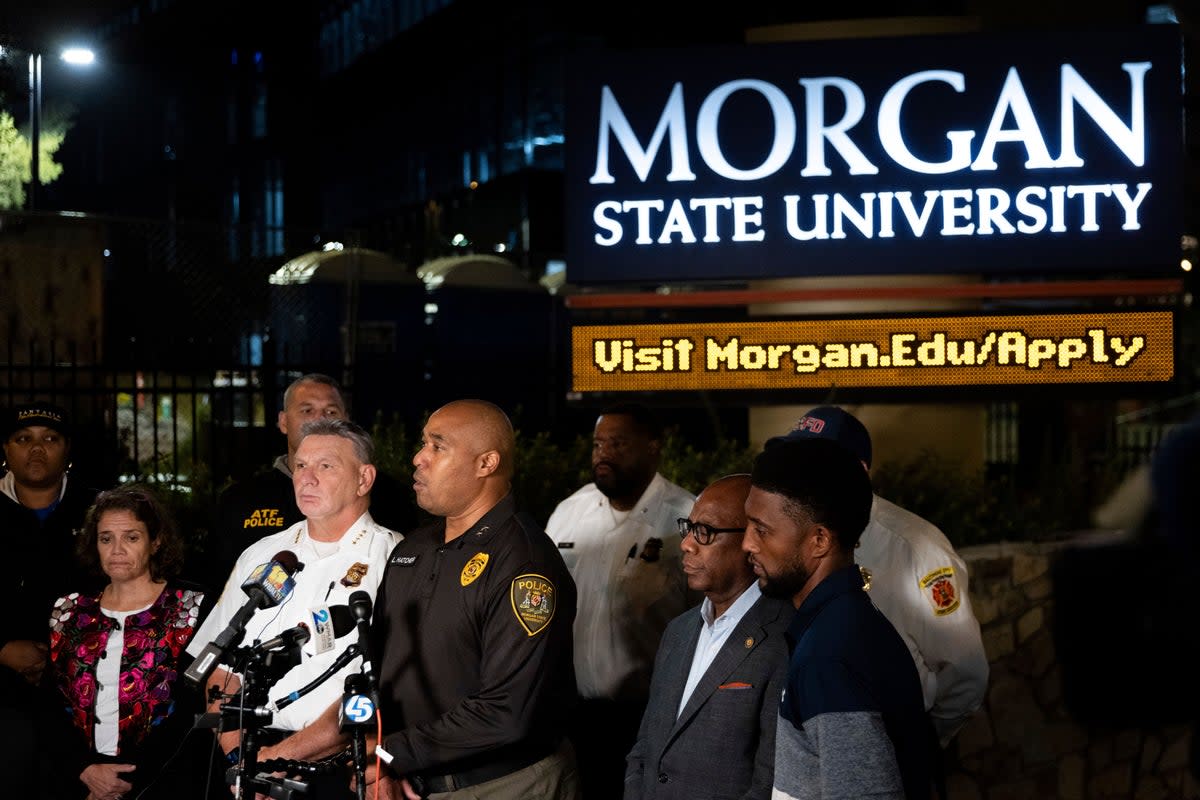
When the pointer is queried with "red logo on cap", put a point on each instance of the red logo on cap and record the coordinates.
(810, 424)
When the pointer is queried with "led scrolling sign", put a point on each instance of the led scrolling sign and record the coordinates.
(972, 153)
(1120, 347)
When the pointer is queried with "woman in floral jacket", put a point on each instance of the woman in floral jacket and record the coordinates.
(118, 656)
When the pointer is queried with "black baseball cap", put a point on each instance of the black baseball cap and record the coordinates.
(831, 422)
(46, 415)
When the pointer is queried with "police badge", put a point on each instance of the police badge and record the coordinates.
(354, 575)
(473, 569)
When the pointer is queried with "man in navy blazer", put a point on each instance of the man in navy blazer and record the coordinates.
(709, 725)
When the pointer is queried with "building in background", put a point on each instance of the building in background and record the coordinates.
(219, 140)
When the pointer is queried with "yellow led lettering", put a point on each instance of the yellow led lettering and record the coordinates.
(625, 355)
(935, 351)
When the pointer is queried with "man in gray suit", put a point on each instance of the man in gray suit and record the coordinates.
(709, 726)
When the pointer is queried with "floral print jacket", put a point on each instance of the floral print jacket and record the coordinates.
(154, 641)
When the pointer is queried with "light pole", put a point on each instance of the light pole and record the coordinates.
(79, 56)
(35, 126)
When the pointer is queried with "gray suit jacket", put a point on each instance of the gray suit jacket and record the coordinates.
(723, 744)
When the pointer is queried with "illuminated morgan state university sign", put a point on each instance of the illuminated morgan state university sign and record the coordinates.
(972, 153)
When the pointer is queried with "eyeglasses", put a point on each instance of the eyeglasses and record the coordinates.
(704, 534)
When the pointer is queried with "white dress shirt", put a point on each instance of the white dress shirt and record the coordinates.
(331, 573)
(713, 634)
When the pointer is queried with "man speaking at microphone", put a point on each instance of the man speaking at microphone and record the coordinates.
(471, 634)
(340, 551)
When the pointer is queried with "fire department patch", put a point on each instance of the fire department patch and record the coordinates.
(355, 574)
(941, 591)
(473, 569)
(533, 600)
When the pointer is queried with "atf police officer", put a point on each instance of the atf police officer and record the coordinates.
(473, 628)
(265, 503)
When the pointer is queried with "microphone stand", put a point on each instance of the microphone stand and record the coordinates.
(260, 668)
(253, 714)
(254, 697)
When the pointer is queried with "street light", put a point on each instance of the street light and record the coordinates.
(78, 56)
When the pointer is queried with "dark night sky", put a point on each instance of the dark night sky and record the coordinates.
(44, 23)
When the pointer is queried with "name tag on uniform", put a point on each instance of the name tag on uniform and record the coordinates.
(566, 545)
(403, 561)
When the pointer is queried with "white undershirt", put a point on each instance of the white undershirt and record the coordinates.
(108, 676)
(325, 549)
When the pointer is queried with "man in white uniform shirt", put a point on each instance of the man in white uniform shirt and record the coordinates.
(618, 538)
(919, 583)
(343, 550)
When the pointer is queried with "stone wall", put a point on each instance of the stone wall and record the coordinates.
(1026, 742)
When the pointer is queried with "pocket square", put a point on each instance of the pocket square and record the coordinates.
(736, 685)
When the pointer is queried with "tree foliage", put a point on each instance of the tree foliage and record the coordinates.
(15, 160)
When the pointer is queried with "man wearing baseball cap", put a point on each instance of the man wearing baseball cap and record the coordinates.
(918, 581)
(40, 510)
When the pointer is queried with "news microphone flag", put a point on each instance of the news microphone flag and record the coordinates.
(274, 579)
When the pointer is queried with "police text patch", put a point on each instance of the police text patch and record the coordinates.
(533, 600)
(264, 518)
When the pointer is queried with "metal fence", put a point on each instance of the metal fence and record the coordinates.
(171, 345)
(174, 423)
(157, 338)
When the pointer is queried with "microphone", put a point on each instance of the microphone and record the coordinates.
(347, 655)
(268, 585)
(292, 637)
(341, 620)
(357, 709)
(329, 623)
(360, 607)
(333, 622)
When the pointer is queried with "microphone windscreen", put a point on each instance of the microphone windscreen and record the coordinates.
(343, 620)
(360, 604)
(287, 559)
(301, 634)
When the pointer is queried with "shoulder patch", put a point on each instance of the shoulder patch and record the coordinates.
(941, 590)
(473, 569)
(533, 600)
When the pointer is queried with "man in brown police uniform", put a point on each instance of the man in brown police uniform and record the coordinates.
(476, 679)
